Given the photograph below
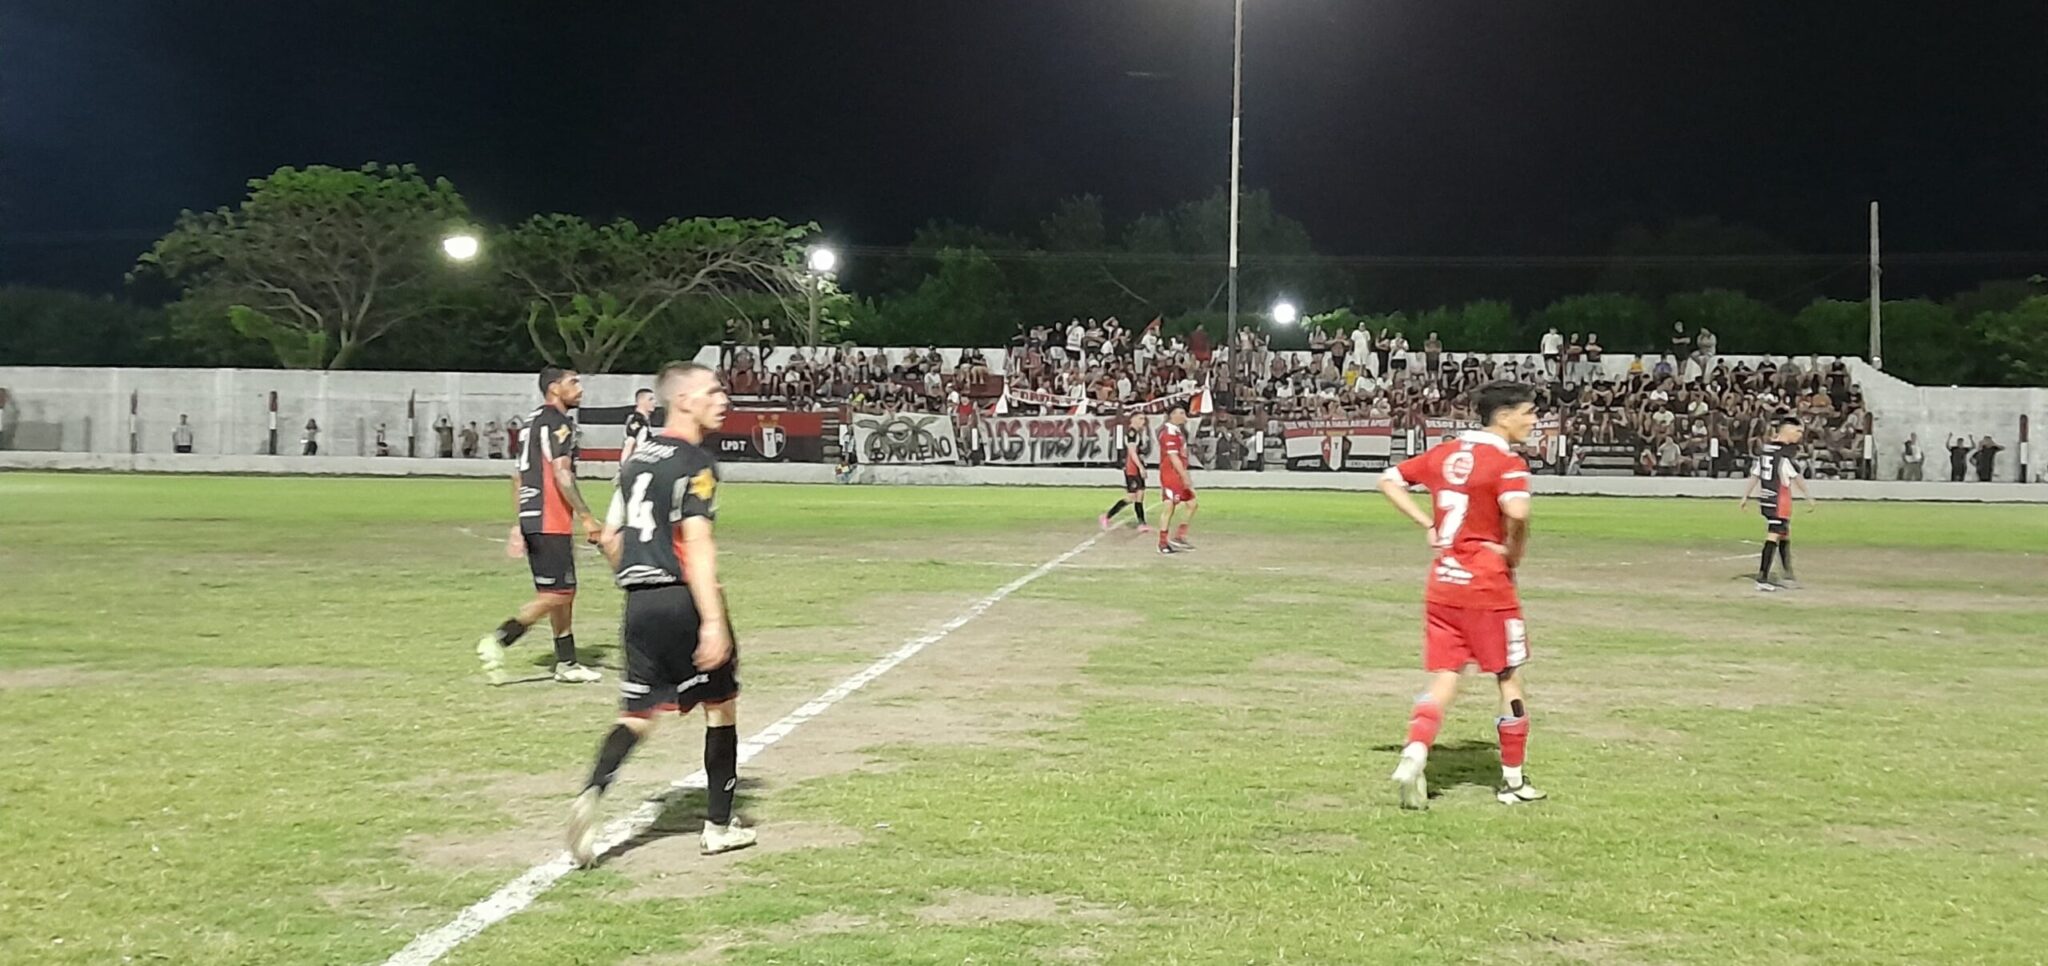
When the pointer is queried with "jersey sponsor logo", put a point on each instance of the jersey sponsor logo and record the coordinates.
(562, 433)
(1458, 468)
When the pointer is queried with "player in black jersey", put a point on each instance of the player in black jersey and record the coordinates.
(545, 497)
(638, 429)
(1771, 481)
(679, 648)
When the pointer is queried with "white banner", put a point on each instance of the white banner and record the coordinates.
(905, 438)
(1347, 444)
(1056, 441)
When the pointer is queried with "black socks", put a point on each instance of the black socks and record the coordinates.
(565, 648)
(1139, 509)
(1785, 555)
(1117, 508)
(610, 755)
(1763, 567)
(721, 772)
(510, 632)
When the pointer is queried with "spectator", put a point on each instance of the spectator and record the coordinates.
(1635, 365)
(1574, 356)
(1706, 345)
(1911, 459)
(728, 341)
(181, 437)
(1593, 350)
(1986, 458)
(1958, 458)
(1397, 353)
(309, 444)
(469, 440)
(1432, 354)
(383, 444)
(444, 437)
(1681, 344)
(1552, 348)
(512, 436)
(494, 441)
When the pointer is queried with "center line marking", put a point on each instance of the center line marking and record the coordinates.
(513, 896)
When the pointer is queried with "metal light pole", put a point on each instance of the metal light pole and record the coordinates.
(1236, 131)
(821, 261)
(1876, 297)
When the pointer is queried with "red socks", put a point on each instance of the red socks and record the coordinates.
(1424, 721)
(1514, 740)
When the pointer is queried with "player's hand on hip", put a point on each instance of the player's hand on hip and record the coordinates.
(714, 645)
(591, 530)
(515, 543)
(1435, 542)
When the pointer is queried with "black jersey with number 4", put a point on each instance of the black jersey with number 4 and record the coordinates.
(1775, 472)
(666, 481)
(548, 435)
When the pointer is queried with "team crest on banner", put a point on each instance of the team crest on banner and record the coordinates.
(769, 438)
(1335, 449)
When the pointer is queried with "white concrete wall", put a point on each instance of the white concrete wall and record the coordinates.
(86, 409)
(1936, 412)
(1100, 478)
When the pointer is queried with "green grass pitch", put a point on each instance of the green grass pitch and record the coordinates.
(242, 724)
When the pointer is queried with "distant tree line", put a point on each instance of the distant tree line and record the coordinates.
(337, 268)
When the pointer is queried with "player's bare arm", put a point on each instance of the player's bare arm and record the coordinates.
(611, 542)
(1395, 489)
(1515, 520)
(515, 542)
(1749, 490)
(700, 561)
(565, 483)
(1799, 482)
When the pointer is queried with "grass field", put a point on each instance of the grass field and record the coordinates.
(242, 725)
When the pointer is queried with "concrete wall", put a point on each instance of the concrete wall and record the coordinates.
(86, 409)
(1100, 479)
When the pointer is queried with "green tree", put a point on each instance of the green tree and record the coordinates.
(592, 290)
(1740, 323)
(1923, 343)
(53, 327)
(2017, 339)
(317, 262)
(1623, 322)
(1827, 327)
(967, 301)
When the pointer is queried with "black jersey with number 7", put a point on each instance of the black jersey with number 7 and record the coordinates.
(666, 481)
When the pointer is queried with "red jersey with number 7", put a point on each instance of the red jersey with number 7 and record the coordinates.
(1469, 479)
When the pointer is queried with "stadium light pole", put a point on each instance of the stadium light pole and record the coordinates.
(461, 247)
(1236, 132)
(821, 262)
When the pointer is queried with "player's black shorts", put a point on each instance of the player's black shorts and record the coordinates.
(1133, 482)
(552, 558)
(660, 633)
(1778, 525)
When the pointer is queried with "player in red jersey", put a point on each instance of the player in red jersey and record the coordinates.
(1175, 486)
(1471, 613)
(1134, 475)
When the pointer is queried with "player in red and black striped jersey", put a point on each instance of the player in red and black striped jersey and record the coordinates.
(1134, 474)
(1771, 481)
(548, 504)
(679, 647)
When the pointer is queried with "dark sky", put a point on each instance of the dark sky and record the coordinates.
(1396, 127)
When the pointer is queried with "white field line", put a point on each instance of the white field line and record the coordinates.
(519, 893)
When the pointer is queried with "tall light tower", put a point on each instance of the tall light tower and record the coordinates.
(1236, 139)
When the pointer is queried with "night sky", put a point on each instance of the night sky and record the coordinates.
(1415, 127)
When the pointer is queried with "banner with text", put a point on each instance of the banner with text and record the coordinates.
(1054, 441)
(1339, 444)
(1540, 450)
(905, 438)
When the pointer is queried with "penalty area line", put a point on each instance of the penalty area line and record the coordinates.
(428, 947)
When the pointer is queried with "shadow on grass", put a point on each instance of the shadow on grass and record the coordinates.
(1459, 763)
(682, 813)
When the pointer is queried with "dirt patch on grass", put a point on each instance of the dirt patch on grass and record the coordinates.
(715, 948)
(969, 908)
(667, 865)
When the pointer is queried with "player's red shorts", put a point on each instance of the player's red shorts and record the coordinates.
(1176, 491)
(1456, 636)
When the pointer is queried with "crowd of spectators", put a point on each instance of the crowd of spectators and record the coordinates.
(1682, 412)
